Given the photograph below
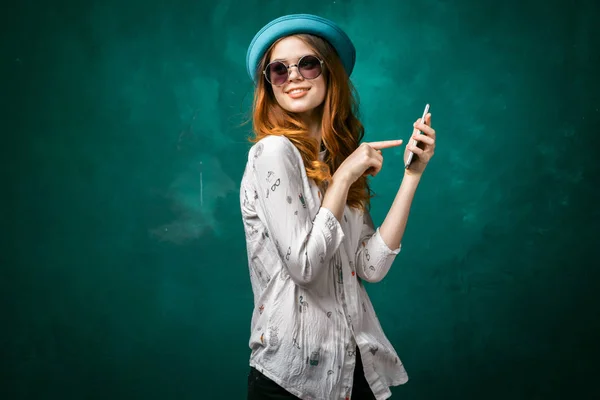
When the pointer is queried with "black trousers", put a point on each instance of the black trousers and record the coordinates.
(262, 388)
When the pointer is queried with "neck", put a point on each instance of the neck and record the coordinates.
(313, 123)
(314, 130)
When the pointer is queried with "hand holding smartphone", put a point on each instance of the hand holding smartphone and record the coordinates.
(411, 154)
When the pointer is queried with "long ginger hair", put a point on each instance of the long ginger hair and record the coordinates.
(341, 129)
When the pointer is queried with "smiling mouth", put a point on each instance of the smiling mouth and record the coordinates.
(298, 90)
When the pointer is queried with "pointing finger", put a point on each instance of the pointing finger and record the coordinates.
(385, 144)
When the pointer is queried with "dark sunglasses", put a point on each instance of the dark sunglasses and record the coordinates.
(309, 66)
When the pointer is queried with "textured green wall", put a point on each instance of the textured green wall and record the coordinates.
(121, 280)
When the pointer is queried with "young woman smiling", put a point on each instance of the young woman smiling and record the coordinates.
(305, 203)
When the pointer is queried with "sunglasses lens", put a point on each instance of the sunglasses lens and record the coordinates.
(277, 73)
(310, 67)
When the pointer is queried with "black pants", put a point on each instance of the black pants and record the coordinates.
(262, 388)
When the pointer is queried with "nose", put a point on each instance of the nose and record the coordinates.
(294, 73)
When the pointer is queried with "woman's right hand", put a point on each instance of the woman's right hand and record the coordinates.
(365, 160)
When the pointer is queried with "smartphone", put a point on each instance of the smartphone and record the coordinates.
(410, 153)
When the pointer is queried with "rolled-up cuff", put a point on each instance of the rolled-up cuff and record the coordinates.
(332, 229)
(382, 247)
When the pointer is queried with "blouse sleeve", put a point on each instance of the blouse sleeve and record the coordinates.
(305, 244)
(373, 257)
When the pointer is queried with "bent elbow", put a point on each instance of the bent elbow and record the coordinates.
(372, 274)
(301, 281)
(374, 278)
(302, 272)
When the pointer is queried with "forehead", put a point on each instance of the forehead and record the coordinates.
(290, 49)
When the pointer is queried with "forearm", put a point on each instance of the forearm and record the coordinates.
(336, 197)
(393, 227)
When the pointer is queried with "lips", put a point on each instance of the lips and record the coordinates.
(302, 89)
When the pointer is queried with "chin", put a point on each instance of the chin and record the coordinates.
(299, 109)
(305, 105)
(302, 106)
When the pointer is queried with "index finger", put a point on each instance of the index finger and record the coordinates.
(384, 144)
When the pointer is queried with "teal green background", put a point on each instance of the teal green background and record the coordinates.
(119, 281)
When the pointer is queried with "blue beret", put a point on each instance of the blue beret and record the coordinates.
(300, 23)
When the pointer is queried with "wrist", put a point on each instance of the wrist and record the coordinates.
(412, 177)
(341, 181)
(411, 174)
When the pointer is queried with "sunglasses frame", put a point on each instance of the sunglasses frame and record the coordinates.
(293, 65)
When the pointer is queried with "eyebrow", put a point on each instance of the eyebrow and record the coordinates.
(286, 59)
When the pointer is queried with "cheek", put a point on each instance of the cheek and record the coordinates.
(279, 95)
(322, 91)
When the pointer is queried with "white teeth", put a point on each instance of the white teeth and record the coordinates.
(297, 91)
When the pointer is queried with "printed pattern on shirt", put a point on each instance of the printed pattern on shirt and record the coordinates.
(306, 270)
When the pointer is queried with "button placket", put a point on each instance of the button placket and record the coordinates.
(348, 368)
(350, 312)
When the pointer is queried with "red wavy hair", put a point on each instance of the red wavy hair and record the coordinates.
(341, 129)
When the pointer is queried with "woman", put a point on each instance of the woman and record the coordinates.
(310, 239)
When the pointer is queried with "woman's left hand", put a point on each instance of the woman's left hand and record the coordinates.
(424, 149)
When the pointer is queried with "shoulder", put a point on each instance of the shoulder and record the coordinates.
(271, 144)
(272, 149)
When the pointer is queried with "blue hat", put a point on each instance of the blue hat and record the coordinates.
(300, 23)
